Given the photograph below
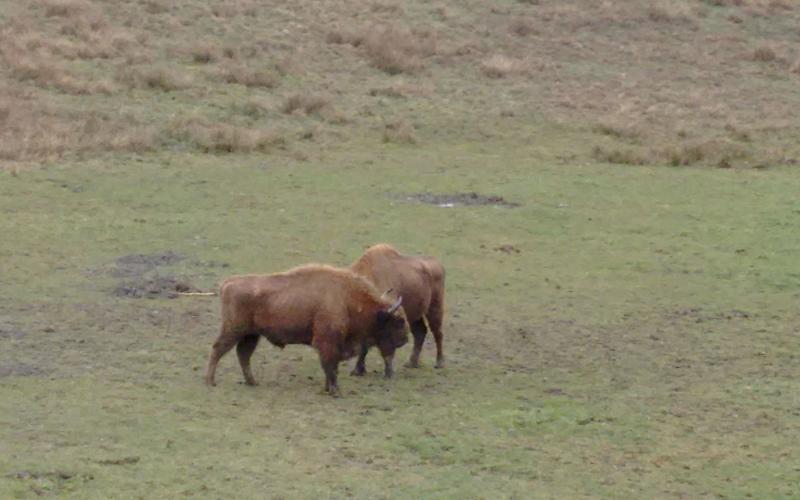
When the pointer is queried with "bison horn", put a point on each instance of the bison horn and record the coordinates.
(395, 306)
(385, 294)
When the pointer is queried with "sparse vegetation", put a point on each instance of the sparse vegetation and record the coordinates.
(399, 132)
(500, 66)
(153, 78)
(247, 76)
(398, 50)
(211, 137)
(305, 104)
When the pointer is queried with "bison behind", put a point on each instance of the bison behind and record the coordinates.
(420, 282)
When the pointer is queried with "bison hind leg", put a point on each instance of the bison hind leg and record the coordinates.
(244, 350)
(222, 345)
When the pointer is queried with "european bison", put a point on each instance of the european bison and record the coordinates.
(333, 310)
(420, 282)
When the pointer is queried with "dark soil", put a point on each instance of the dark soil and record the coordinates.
(13, 369)
(154, 287)
(139, 277)
(459, 199)
(134, 264)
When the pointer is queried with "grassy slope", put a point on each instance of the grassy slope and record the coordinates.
(641, 341)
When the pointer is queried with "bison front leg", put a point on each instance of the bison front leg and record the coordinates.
(331, 369)
(360, 368)
(326, 341)
(388, 366)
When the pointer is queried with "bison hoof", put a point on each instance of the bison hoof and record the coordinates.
(439, 364)
(358, 372)
(251, 383)
(335, 392)
(412, 364)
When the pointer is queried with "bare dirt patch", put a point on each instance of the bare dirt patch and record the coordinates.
(140, 277)
(14, 369)
(459, 199)
(155, 287)
(138, 263)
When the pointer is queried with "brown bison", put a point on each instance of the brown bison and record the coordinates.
(420, 282)
(333, 310)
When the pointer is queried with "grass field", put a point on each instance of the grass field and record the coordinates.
(628, 327)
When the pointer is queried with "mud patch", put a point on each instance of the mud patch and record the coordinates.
(9, 331)
(134, 264)
(458, 200)
(14, 369)
(140, 278)
(119, 461)
(154, 287)
(507, 249)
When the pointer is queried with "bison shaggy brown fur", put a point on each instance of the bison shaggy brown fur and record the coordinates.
(420, 282)
(333, 310)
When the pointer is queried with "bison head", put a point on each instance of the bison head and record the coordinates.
(392, 328)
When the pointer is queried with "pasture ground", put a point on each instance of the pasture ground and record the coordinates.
(624, 325)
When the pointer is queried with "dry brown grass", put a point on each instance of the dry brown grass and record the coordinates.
(247, 76)
(47, 72)
(204, 53)
(395, 49)
(160, 77)
(764, 54)
(523, 26)
(30, 130)
(65, 8)
(213, 137)
(716, 152)
(305, 104)
(500, 66)
(402, 89)
(399, 132)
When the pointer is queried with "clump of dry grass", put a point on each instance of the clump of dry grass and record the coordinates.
(45, 71)
(305, 104)
(65, 8)
(523, 26)
(343, 36)
(401, 89)
(618, 156)
(396, 50)
(249, 77)
(668, 14)
(618, 130)
(764, 54)
(30, 130)
(500, 66)
(713, 152)
(399, 132)
(254, 108)
(153, 77)
(213, 137)
(227, 9)
(204, 53)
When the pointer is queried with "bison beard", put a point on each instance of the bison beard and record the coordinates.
(333, 310)
(420, 281)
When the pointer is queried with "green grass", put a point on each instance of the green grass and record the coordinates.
(642, 343)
